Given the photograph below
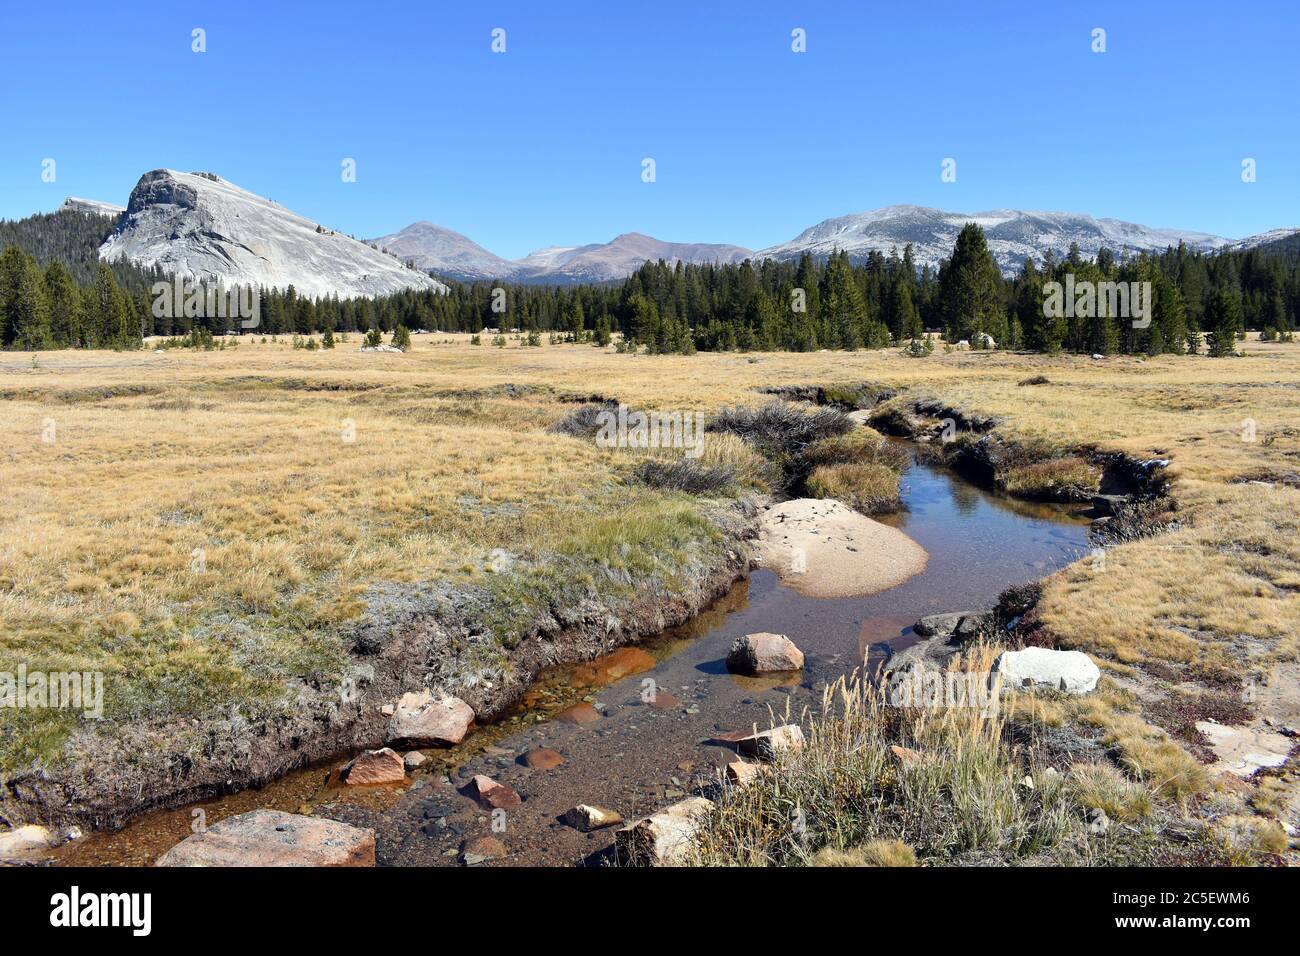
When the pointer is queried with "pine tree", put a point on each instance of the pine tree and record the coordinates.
(968, 285)
(65, 307)
(1222, 322)
(401, 338)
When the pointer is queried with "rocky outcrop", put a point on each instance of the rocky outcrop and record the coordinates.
(764, 653)
(1038, 668)
(272, 838)
(200, 227)
(665, 838)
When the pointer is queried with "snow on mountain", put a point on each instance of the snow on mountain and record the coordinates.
(624, 254)
(450, 254)
(1262, 238)
(199, 226)
(1012, 235)
(73, 204)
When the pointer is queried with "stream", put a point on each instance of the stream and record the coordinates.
(635, 757)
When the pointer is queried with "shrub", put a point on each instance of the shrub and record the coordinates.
(1035, 380)
(1056, 479)
(867, 487)
(401, 338)
(583, 421)
(686, 475)
(781, 429)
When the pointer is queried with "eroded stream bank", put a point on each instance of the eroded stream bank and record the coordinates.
(633, 757)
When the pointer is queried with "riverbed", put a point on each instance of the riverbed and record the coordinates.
(634, 756)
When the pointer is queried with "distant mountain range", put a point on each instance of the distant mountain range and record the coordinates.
(200, 225)
(450, 254)
(1012, 234)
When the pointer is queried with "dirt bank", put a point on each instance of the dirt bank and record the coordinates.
(485, 644)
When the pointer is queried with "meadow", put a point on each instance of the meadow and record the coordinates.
(201, 526)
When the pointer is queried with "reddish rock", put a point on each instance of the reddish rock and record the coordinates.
(375, 767)
(906, 756)
(414, 759)
(764, 653)
(579, 714)
(741, 772)
(612, 667)
(273, 838)
(542, 758)
(480, 850)
(665, 701)
(422, 720)
(492, 795)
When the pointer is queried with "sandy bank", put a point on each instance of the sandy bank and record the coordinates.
(823, 548)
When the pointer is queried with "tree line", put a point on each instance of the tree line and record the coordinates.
(54, 293)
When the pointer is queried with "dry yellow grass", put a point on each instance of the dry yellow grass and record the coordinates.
(183, 494)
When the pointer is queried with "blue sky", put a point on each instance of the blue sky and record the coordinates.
(543, 145)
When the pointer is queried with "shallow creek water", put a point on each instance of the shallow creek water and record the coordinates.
(635, 757)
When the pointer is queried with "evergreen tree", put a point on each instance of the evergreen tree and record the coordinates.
(66, 329)
(1222, 323)
(968, 285)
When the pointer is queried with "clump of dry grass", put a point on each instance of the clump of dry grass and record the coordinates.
(1102, 786)
(871, 853)
(1245, 836)
(867, 487)
(960, 794)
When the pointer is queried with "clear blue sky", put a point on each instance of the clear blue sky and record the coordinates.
(543, 144)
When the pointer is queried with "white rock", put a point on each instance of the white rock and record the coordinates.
(1041, 668)
(664, 838)
(767, 744)
(23, 843)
